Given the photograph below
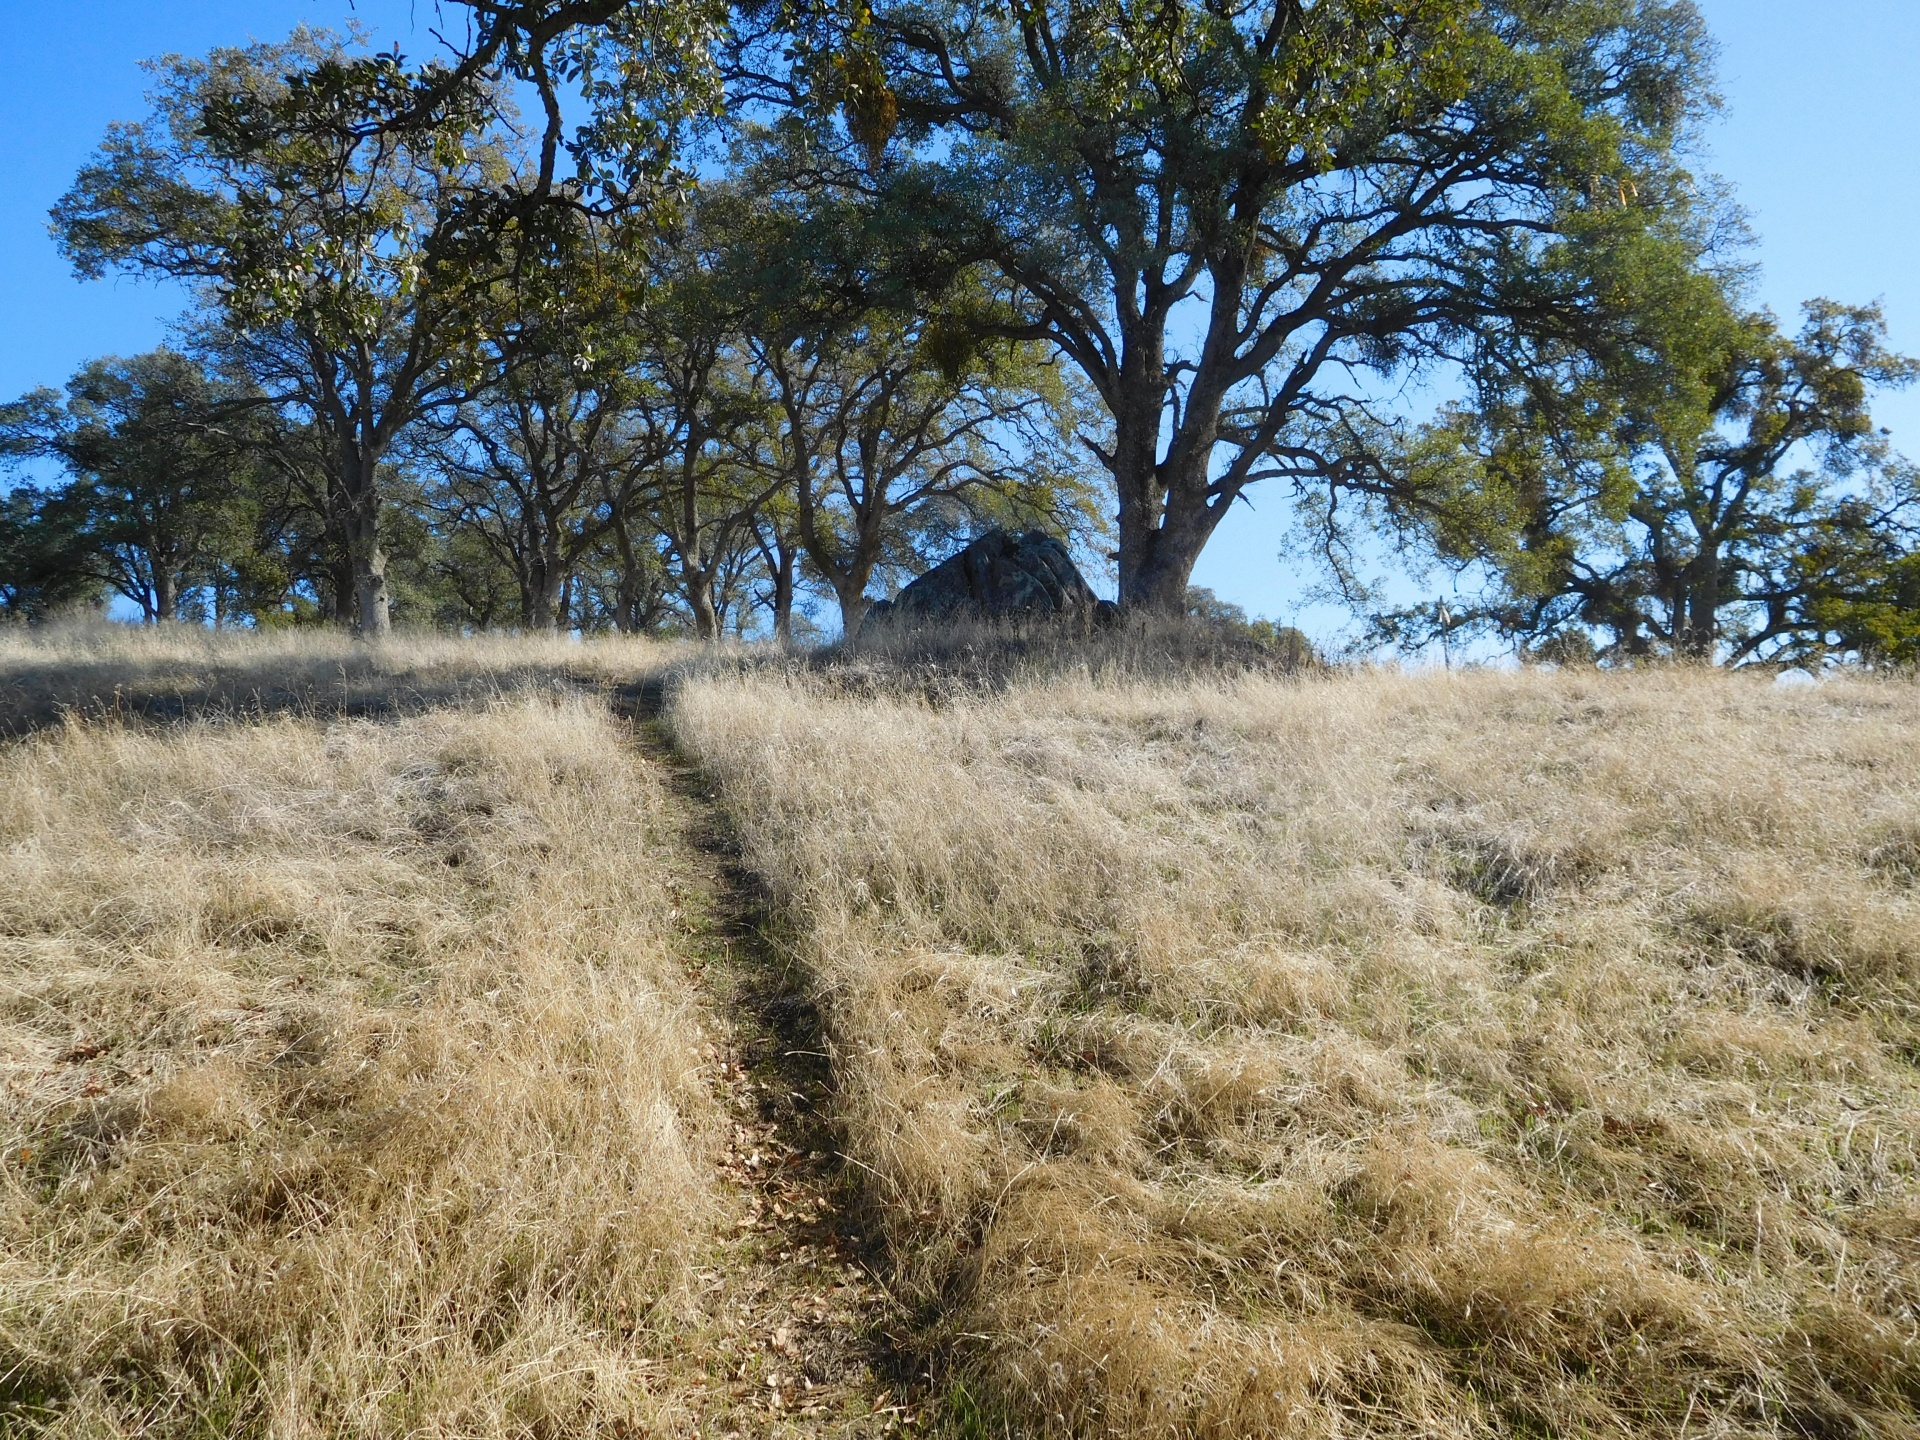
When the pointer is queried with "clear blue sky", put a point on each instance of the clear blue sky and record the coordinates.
(1821, 138)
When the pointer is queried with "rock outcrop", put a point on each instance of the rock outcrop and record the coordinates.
(1000, 578)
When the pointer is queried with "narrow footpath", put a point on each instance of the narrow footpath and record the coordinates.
(798, 1335)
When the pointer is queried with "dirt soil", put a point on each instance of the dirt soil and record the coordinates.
(801, 1337)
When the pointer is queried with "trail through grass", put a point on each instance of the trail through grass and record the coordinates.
(802, 1336)
(402, 1075)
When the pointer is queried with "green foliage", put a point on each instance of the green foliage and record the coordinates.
(1101, 266)
(1355, 186)
(344, 254)
(45, 560)
(266, 172)
(1286, 643)
(1730, 500)
(161, 502)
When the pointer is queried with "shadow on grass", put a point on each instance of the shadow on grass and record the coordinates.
(153, 676)
(124, 673)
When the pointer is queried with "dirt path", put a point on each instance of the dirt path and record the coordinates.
(799, 1331)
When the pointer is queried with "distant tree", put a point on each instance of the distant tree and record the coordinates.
(340, 254)
(46, 559)
(883, 430)
(1741, 505)
(161, 498)
(894, 416)
(542, 462)
(1854, 579)
(621, 583)
(697, 402)
(776, 534)
(1285, 643)
(1229, 216)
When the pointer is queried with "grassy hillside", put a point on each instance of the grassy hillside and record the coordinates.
(388, 1047)
(349, 1078)
(1375, 1055)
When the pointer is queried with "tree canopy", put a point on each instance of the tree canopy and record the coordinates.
(770, 302)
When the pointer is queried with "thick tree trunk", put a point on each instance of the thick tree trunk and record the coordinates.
(630, 600)
(699, 592)
(854, 606)
(372, 611)
(1162, 532)
(1165, 515)
(366, 556)
(337, 603)
(544, 594)
(850, 575)
(1154, 568)
(166, 601)
(1698, 636)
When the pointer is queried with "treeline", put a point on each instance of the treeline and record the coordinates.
(781, 301)
(381, 414)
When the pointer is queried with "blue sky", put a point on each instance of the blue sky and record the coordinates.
(1821, 139)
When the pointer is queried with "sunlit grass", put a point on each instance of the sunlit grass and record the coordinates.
(1432, 1055)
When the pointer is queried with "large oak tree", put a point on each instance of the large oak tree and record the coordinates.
(1246, 220)
(340, 253)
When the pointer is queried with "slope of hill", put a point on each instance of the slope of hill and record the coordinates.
(1433, 1055)
(386, 1076)
(350, 1077)
(395, 1043)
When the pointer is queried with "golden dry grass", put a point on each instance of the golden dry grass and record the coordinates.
(349, 1069)
(174, 672)
(1437, 1055)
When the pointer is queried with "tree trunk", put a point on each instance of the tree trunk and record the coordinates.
(854, 606)
(699, 593)
(1163, 529)
(1699, 635)
(337, 603)
(337, 555)
(849, 577)
(166, 600)
(372, 613)
(1146, 572)
(783, 596)
(628, 599)
(545, 605)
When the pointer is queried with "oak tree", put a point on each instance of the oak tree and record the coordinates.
(338, 254)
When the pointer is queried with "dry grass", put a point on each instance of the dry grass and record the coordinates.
(174, 672)
(349, 1068)
(1431, 1055)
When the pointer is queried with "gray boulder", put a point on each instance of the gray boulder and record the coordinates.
(999, 578)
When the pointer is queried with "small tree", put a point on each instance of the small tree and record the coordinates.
(881, 430)
(46, 561)
(695, 399)
(162, 495)
(542, 463)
